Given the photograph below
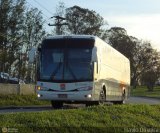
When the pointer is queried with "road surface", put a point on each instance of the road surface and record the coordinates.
(131, 100)
(143, 100)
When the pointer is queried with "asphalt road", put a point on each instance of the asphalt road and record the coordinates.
(131, 100)
(143, 100)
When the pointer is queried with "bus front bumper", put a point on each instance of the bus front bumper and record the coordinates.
(63, 96)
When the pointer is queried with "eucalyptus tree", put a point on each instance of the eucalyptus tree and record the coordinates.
(84, 21)
(11, 20)
(20, 29)
(33, 33)
(151, 72)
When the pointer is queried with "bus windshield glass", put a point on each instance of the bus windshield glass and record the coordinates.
(66, 60)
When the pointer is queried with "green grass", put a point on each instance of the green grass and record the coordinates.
(115, 118)
(20, 100)
(143, 91)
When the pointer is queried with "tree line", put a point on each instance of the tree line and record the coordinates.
(22, 27)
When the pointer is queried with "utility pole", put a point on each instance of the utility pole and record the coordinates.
(58, 24)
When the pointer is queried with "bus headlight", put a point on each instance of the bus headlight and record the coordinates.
(38, 95)
(88, 96)
(38, 88)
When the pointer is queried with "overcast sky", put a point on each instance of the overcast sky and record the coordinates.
(141, 18)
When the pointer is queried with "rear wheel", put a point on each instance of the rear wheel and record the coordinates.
(123, 99)
(57, 104)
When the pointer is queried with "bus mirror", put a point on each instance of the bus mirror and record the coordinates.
(32, 55)
(94, 55)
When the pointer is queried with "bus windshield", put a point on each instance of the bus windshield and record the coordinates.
(66, 61)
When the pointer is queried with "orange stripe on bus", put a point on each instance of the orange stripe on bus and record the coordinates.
(122, 85)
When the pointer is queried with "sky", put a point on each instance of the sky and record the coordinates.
(140, 18)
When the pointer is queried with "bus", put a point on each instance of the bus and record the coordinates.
(81, 69)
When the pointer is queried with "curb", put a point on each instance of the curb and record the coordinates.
(24, 107)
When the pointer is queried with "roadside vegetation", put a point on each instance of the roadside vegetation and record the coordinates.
(144, 92)
(113, 118)
(20, 100)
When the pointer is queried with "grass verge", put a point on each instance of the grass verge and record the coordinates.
(143, 91)
(20, 100)
(115, 118)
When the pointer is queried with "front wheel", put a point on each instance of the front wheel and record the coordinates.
(102, 97)
(57, 104)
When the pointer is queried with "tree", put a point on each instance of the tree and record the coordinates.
(117, 37)
(33, 34)
(15, 28)
(143, 60)
(11, 20)
(4, 11)
(33, 31)
(151, 75)
(84, 21)
(20, 29)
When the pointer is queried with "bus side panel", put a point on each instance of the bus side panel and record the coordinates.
(114, 72)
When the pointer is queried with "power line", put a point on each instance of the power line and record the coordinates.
(47, 18)
(58, 24)
(41, 12)
(43, 7)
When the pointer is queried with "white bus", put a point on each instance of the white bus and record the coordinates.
(81, 69)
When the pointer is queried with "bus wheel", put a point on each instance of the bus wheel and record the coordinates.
(57, 104)
(102, 97)
(123, 99)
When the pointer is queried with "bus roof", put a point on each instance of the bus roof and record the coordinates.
(71, 36)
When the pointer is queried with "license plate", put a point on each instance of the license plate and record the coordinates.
(62, 95)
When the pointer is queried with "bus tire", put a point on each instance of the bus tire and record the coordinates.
(123, 99)
(57, 104)
(102, 97)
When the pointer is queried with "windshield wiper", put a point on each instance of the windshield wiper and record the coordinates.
(72, 73)
(56, 70)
